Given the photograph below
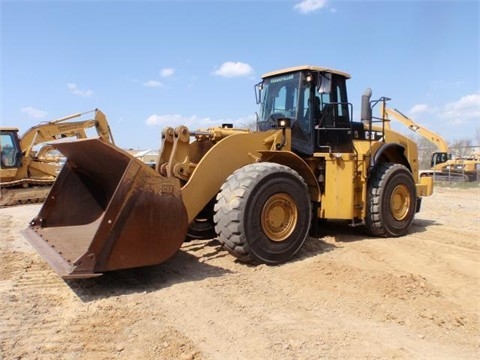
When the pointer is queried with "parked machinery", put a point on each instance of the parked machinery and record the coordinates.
(443, 166)
(26, 174)
(259, 191)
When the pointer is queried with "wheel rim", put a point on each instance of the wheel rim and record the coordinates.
(400, 202)
(279, 217)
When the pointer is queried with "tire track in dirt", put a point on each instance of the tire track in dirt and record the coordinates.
(305, 311)
(21, 303)
(42, 318)
(58, 324)
(344, 296)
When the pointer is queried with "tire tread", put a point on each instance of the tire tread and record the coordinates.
(229, 208)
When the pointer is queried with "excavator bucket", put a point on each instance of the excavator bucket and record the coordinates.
(107, 211)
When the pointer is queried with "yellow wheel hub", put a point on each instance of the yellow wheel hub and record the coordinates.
(279, 217)
(400, 202)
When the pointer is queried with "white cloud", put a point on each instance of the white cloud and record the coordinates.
(34, 113)
(419, 109)
(77, 91)
(155, 119)
(194, 122)
(463, 111)
(166, 72)
(233, 69)
(308, 6)
(466, 108)
(152, 83)
(174, 120)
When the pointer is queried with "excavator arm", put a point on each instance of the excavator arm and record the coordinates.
(431, 136)
(30, 171)
(442, 165)
(62, 128)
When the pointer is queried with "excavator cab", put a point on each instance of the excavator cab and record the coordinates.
(11, 154)
(440, 158)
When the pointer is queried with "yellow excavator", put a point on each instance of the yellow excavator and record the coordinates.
(26, 174)
(443, 166)
(261, 192)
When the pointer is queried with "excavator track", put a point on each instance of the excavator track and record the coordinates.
(24, 191)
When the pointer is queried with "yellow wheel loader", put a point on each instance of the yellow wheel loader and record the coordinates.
(259, 191)
(26, 174)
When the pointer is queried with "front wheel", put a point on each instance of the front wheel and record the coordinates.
(391, 200)
(263, 213)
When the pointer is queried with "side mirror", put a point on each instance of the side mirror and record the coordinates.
(324, 83)
(366, 111)
(258, 92)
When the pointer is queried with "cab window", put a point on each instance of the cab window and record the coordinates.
(8, 150)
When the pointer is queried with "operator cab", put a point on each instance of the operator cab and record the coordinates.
(315, 100)
(440, 158)
(11, 155)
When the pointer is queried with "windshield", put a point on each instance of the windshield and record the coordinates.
(288, 96)
(280, 97)
(8, 150)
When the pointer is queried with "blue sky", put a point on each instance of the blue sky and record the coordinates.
(150, 64)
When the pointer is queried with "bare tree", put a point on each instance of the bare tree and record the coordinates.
(425, 151)
(461, 148)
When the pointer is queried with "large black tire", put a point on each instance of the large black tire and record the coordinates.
(202, 227)
(263, 212)
(391, 202)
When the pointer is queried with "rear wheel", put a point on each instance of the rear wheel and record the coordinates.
(391, 200)
(263, 213)
(202, 227)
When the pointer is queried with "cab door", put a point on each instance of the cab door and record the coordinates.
(334, 130)
(303, 126)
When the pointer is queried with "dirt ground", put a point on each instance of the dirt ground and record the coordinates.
(344, 296)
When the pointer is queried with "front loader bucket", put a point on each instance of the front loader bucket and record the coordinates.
(107, 211)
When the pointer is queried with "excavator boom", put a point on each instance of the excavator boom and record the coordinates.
(433, 137)
(443, 166)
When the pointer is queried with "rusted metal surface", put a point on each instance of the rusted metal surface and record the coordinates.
(107, 211)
